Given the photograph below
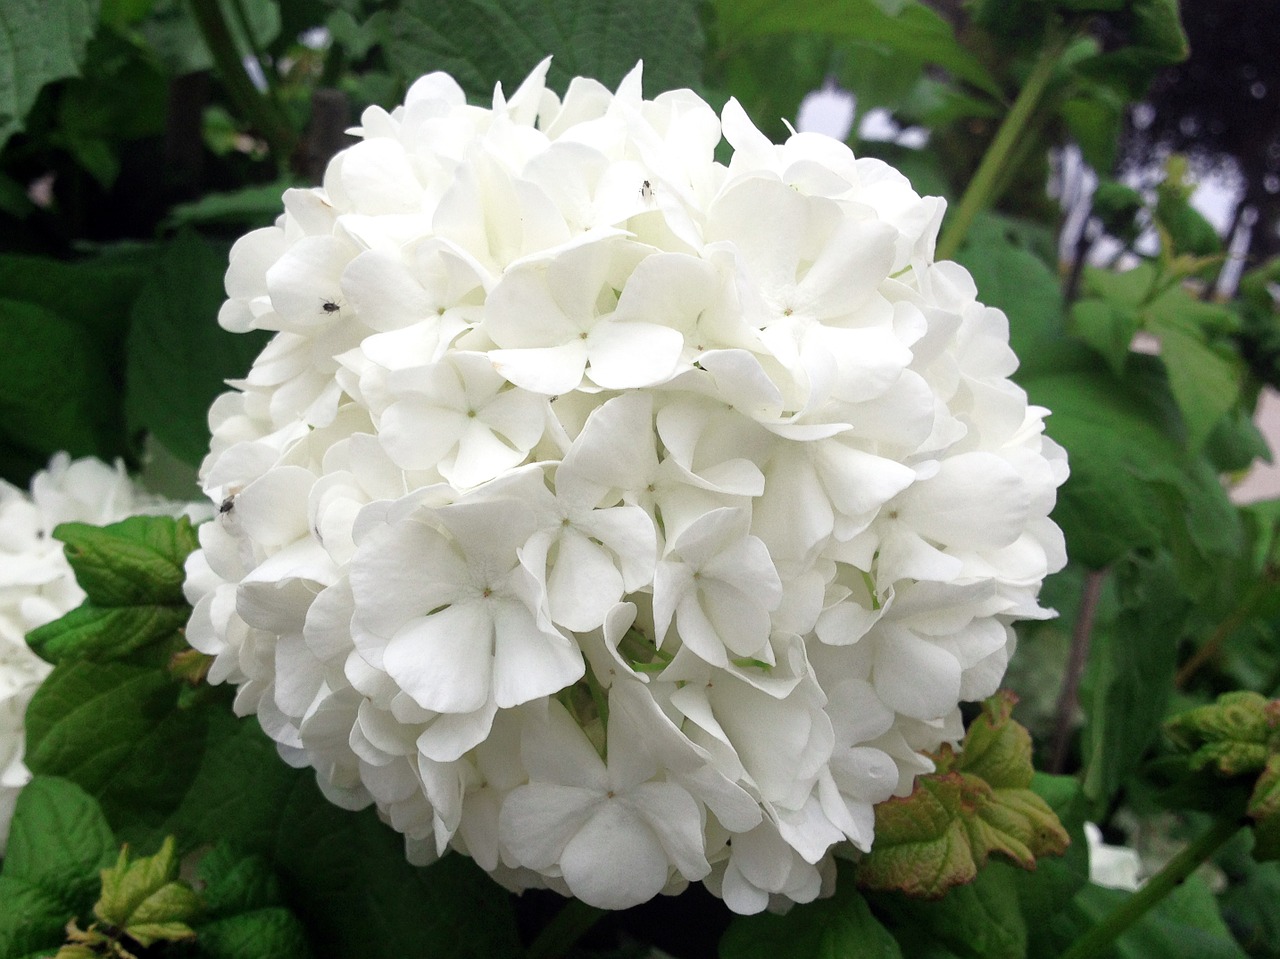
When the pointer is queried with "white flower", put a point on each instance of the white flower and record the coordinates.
(618, 517)
(37, 585)
(1116, 867)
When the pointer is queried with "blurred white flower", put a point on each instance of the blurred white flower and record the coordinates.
(616, 516)
(1116, 867)
(37, 585)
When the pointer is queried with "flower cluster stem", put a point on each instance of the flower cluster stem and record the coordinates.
(569, 925)
(261, 112)
(1175, 872)
(984, 188)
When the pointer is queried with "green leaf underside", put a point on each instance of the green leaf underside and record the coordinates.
(977, 802)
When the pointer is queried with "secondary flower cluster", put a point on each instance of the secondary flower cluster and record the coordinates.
(37, 585)
(615, 516)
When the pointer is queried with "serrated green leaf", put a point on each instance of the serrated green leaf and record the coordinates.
(58, 841)
(96, 634)
(922, 847)
(1132, 484)
(263, 934)
(135, 561)
(1230, 735)
(40, 41)
(31, 918)
(59, 838)
(980, 918)
(234, 882)
(143, 897)
(115, 730)
(177, 356)
(996, 749)
(826, 929)
(132, 573)
(940, 835)
(905, 26)
(481, 42)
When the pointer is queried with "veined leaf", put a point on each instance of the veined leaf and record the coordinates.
(979, 801)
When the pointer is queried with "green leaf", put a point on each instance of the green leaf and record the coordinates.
(58, 835)
(204, 776)
(132, 573)
(1235, 737)
(178, 356)
(826, 929)
(373, 904)
(58, 841)
(1043, 894)
(1106, 328)
(1157, 27)
(262, 934)
(481, 42)
(922, 847)
(138, 560)
(40, 41)
(55, 389)
(1206, 379)
(1094, 118)
(905, 26)
(1132, 485)
(1130, 676)
(976, 803)
(249, 206)
(144, 898)
(114, 729)
(95, 294)
(1232, 735)
(980, 919)
(1012, 278)
(1184, 925)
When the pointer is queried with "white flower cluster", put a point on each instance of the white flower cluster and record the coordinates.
(37, 585)
(612, 515)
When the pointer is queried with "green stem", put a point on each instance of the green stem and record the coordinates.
(983, 189)
(256, 108)
(1097, 939)
(569, 925)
